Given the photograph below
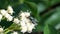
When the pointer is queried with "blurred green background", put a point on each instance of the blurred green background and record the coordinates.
(47, 12)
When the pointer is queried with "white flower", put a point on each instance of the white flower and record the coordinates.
(25, 14)
(10, 10)
(9, 17)
(22, 23)
(1, 30)
(23, 26)
(3, 12)
(0, 17)
(23, 29)
(30, 27)
(16, 20)
(14, 32)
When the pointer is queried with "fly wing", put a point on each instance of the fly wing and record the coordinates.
(34, 21)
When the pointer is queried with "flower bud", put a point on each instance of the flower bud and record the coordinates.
(10, 10)
(16, 20)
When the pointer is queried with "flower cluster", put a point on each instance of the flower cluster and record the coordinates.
(25, 21)
(6, 14)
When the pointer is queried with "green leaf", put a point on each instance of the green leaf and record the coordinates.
(57, 26)
(12, 28)
(21, 1)
(51, 2)
(48, 29)
(54, 2)
(54, 19)
(41, 7)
